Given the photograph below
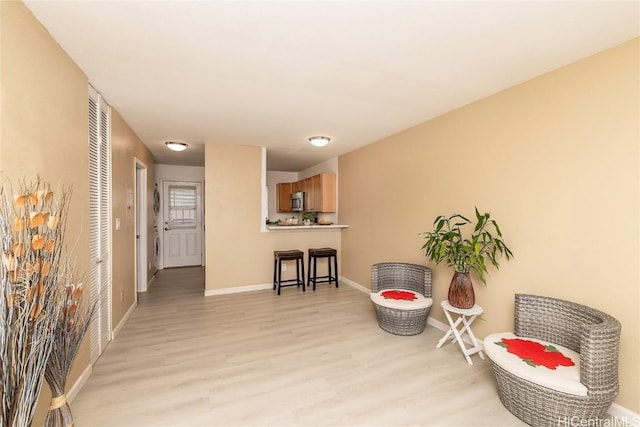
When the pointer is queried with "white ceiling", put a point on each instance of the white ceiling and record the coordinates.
(273, 73)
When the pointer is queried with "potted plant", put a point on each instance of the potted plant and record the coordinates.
(446, 243)
(307, 217)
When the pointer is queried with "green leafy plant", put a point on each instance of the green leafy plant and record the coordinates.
(446, 243)
(307, 216)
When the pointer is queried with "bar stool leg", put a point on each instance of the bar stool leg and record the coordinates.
(315, 270)
(275, 269)
(279, 274)
(302, 277)
(335, 264)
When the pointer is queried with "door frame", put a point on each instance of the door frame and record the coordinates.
(141, 226)
(161, 216)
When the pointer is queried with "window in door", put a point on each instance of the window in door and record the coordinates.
(182, 206)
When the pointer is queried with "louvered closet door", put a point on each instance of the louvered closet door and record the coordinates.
(99, 221)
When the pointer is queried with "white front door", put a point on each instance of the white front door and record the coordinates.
(182, 224)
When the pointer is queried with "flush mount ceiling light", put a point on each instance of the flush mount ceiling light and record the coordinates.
(319, 141)
(176, 146)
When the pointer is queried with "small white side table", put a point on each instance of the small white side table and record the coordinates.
(466, 316)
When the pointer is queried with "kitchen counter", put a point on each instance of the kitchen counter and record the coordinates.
(305, 227)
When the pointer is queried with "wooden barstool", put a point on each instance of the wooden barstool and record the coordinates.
(278, 257)
(328, 253)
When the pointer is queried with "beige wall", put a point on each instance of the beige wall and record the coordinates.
(556, 162)
(125, 148)
(44, 128)
(238, 254)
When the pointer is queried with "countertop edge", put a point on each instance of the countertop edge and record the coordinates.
(305, 227)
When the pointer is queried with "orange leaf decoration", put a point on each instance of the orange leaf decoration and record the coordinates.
(19, 224)
(10, 261)
(31, 292)
(36, 310)
(44, 196)
(9, 301)
(46, 267)
(36, 219)
(21, 200)
(72, 309)
(37, 242)
(33, 268)
(53, 221)
(18, 249)
(50, 245)
(14, 276)
(69, 289)
(33, 199)
(78, 293)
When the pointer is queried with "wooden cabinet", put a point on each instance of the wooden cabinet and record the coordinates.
(284, 196)
(309, 200)
(324, 188)
(319, 193)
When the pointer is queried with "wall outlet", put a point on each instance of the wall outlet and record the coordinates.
(121, 296)
(483, 316)
(284, 267)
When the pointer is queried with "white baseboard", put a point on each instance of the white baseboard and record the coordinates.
(248, 288)
(626, 416)
(151, 280)
(123, 321)
(355, 285)
(80, 382)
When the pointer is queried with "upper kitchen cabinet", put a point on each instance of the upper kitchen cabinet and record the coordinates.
(284, 196)
(322, 194)
(319, 193)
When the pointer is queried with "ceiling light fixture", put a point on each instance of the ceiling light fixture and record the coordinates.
(319, 141)
(176, 146)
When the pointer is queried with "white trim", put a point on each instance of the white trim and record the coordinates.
(141, 223)
(625, 416)
(80, 382)
(122, 322)
(264, 195)
(249, 288)
(151, 280)
(355, 285)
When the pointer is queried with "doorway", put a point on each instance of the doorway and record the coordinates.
(182, 228)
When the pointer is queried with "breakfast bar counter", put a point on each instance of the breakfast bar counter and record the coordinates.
(305, 227)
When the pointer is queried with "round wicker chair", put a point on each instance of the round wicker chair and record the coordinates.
(593, 334)
(404, 276)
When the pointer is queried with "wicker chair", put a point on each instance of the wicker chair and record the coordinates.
(403, 276)
(589, 332)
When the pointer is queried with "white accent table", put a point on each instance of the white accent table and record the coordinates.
(460, 326)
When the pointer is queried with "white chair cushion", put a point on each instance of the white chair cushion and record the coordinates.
(565, 379)
(420, 302)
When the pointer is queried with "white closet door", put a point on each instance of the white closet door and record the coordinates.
(99, 222)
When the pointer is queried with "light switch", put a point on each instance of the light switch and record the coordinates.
(117, 223)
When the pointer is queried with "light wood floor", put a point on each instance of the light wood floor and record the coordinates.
(256, 359)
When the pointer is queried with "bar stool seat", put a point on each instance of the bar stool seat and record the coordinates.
(289, 255)
(331, 255)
